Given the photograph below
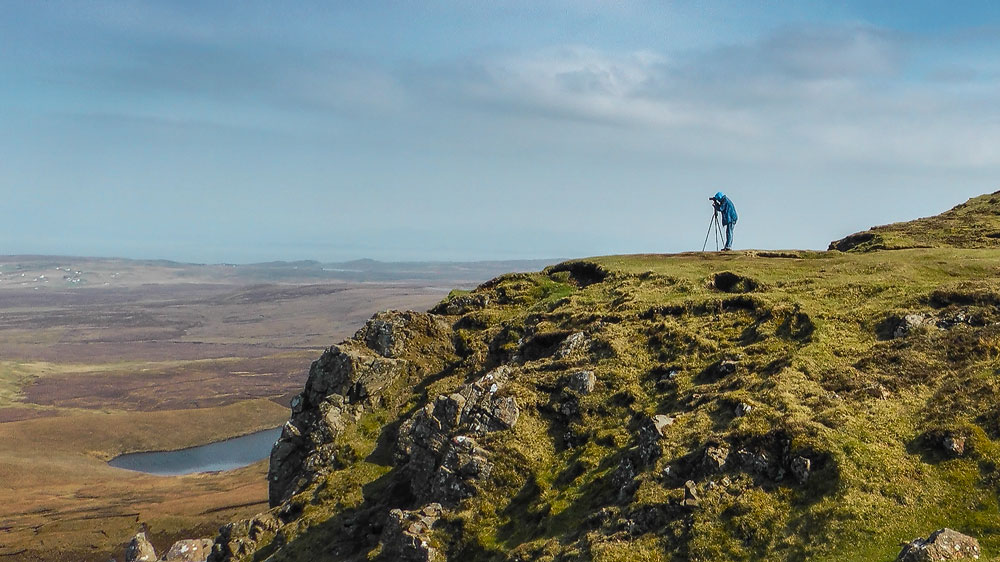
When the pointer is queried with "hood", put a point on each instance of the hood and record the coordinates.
(719, 196)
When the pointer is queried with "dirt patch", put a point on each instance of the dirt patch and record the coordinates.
(729, 282)
(583, 273)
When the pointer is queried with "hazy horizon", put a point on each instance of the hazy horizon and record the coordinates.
(241, 132)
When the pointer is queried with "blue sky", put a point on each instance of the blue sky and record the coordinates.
(458, 130)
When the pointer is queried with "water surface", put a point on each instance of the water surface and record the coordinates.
(221, 455)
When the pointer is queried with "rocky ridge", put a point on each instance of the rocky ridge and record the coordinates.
(750, 406)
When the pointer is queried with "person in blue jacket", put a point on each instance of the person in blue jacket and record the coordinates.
(729, 217)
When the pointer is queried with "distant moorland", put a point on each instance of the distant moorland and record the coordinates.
(100, 357)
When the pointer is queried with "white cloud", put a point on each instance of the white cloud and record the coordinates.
(824, 95)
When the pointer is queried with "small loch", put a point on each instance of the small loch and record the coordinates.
(221, 455)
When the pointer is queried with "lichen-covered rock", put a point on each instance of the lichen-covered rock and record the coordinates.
(406, 536)
(341, 384)
(239, 539)
(756, 462)
(189, 550)
(462, 304)
(354, 374)
(651, 431)
(623, 478)
(943, 544)
(389, 333)
(575, 342)
(715, 458)
(437, 443)
(139, 549)
(582, 382)
(462, 463)
(662, 422)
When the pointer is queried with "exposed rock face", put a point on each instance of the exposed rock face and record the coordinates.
(462, 304)
(139, 549)
(406, 536)
(388, 333)
(715, 458)
(943, 544)
(239, 539)
(190, 550)
(342, 384)
(575, 342)
(438, 446)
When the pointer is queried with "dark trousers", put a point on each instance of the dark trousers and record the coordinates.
(729, 235)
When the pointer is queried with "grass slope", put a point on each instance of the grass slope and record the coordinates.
(861, 362)
(973, 224)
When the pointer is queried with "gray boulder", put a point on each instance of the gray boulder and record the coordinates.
(341, 382)
(406, 536)
(139, 549)
(943, 544)
(462, 463)
(575, 342)
(907, 324)
(189, 550)
(582, 382)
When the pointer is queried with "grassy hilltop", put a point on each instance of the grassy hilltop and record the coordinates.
(825, 405)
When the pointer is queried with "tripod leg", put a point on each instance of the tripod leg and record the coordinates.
(711, 223)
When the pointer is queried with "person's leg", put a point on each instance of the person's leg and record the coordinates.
(729, 236)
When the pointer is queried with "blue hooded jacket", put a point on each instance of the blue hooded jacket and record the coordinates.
(727, 209)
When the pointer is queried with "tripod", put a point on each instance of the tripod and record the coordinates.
(718, 231)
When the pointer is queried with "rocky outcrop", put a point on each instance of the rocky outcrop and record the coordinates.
(462, 304)
(574, 343)
(241, 538)
(389, 333)
(943, 544)
(406, 536)
(582, 382)
(437, 445)
(342, 384)
(189, 550)
(139, 549)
